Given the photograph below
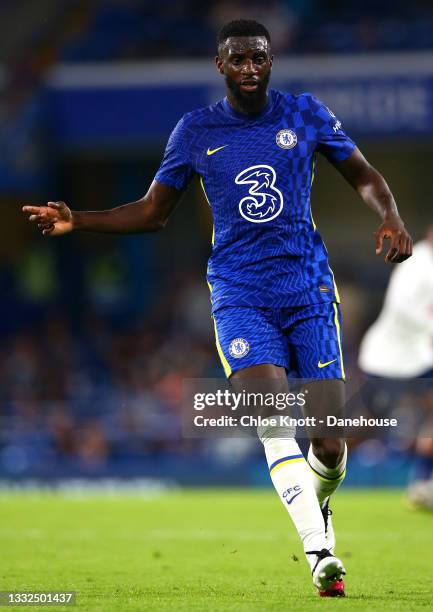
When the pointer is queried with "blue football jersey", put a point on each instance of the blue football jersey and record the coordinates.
(257, 175)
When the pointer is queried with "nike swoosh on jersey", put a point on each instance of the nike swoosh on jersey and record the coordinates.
(327, 363)
(212, 151)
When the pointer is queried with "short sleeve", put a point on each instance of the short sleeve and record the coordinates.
(176, 169)
(332, 141)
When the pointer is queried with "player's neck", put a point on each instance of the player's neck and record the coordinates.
(251, 107)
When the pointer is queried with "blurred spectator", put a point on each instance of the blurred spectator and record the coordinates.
(140, 29)
(103, 389)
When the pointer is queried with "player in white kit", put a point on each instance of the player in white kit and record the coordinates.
(398, 347)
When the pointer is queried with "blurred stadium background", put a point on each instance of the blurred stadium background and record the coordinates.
(99, 331)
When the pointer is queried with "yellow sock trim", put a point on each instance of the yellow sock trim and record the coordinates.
(283, 463)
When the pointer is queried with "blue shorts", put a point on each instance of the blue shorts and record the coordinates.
(305, 340)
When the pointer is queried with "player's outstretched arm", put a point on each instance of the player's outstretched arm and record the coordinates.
(149, 214)
(373, 189)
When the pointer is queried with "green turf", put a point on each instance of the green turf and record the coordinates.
(211, 550)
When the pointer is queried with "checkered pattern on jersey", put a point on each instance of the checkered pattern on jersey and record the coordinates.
(257, 175)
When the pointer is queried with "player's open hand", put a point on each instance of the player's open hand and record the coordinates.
(401, 241)
(53, 219)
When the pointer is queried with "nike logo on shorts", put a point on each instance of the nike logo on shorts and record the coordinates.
(321, 365)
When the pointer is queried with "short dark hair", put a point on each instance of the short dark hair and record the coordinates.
(242, 27)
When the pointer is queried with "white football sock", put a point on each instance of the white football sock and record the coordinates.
(326, 480)
(293, 482)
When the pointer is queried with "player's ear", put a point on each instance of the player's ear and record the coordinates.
(219, 64)
(271, 61)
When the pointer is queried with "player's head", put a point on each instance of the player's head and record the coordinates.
(244, 58)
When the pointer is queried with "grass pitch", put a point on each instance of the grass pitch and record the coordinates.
(211, 550)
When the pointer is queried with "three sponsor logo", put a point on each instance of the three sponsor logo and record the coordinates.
(264, 201)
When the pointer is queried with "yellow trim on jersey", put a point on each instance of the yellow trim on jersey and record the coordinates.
(225, 363)
(207, 200)
(283, 463)
(337, 295)
(313, 169)
(337, 325)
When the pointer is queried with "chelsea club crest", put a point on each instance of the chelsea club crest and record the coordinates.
(238, 348)
(286, 139)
